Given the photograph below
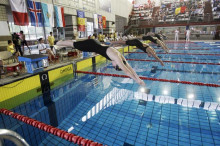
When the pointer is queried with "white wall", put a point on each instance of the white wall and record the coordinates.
(118, 7)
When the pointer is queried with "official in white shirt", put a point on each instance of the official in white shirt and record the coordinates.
(44, 50)
(177, 35)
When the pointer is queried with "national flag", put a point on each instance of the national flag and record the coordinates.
(183, 9)
(59, 13)
(19, 11)
(100, 21)
(177, 10)
(96, 24)
(35, 13)
(104, 21)
(81, 20)
(48, 13)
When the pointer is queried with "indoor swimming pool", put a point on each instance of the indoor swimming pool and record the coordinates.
(113, 111)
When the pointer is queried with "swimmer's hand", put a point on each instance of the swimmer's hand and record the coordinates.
(161, 62)
(141, 82)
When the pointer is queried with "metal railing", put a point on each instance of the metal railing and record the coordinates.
(12, 136)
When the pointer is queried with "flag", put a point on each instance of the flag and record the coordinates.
(59, 13)
(81, 20)
(48, 14)
(104, 21)
(177, 10)
(19, 11)
(96, 24)
(100, 21)
(183, 9)
(35, 13)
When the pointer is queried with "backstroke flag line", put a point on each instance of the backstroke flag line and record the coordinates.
(19, 11)
(48, 13)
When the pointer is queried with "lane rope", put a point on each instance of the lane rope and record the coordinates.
(174, 61)
(152, 79)
(178, 49)
(50, 129)
(177, 53)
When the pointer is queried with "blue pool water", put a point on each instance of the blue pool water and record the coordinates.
(112, 111)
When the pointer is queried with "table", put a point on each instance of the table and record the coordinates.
(34, 63)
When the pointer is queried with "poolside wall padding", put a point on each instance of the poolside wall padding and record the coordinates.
(21, 91)
(60, 75)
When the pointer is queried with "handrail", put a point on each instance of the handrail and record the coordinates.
(50, 129)
(12, 136)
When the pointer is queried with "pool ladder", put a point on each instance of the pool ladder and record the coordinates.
(12, 136)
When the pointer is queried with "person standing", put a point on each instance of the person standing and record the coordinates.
(187, 34)
(17, 43)
(177, 35)
(23, 41)
(51, 40)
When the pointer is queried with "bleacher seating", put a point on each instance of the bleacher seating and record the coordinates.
(184, 11)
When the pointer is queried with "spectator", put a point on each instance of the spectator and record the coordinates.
(94, 36)
(51, 40)
(11, 49)
(43, 49)
(23, 41)
(100, 37)
(17, 43)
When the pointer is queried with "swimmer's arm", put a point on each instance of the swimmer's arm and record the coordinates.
(153, 53)
(158, 59)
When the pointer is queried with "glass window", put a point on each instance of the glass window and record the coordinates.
(24, 29)
(31, 32)
(15, 28)
(48, 30)
(33, 37)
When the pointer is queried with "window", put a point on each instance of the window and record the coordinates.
(31, 32)
(89, 2)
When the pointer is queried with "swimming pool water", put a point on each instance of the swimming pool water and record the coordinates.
(112, 111)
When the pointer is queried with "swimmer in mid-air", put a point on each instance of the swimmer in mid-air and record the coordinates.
(157, 39)
(110, 53)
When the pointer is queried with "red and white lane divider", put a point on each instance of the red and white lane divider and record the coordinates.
(179, 49)
(50, 129)
(178, 53)
(152, 79)
(174, 61)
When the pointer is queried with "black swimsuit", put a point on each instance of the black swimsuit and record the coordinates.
(92, 45)
(150, 38)
(137, 43)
